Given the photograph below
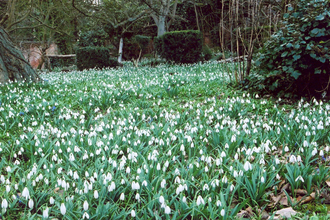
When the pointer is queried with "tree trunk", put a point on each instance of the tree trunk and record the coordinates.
(161, 25)
(13, 66)
(121, 44)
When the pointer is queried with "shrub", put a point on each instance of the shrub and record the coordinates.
(142, 41)
(206, 53)
(295, 61)
(180, 46)
(92, 38)
(94, 57)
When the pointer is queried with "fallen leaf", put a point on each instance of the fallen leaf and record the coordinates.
(281, 184)
(307, 199)
(328, 183)
(300, 192)
(243, 214)
(286, 187)
(286, 213)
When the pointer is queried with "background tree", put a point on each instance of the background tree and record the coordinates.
(13, 66)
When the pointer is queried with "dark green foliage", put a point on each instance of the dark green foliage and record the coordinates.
(142, 41)
(295, 61)
(206, 53)
(180, 46)
(94, 57)
(158, 44)
(92, 38)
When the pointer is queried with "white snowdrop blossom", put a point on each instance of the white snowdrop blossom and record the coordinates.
(247, 166)
(63, 209)
(167, 210)
(31, 204)
(45, 213)
(85, 205)
(26, 193)
(122, 197)
(133, 213)
(200, 201)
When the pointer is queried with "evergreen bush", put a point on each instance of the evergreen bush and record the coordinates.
(206, 53)
(295, 61)
(142, 41)
(94, 57)
(180, 46)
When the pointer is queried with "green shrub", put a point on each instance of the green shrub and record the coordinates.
(92, 38)
(295, 61)
(158, 45)
(180, 46)
(142, 41)
(206, 53)
(94, 57)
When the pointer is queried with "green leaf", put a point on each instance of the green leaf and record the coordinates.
(308, 47)
(295, 74)
(296, 57)
(315, 31)
(284, 54)
(289, 45)
(322, 59)
(313, 55)
(296, 46)
(319, 17)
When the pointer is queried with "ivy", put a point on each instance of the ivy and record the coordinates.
(295, 61)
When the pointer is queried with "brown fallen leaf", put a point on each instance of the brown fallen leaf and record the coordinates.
(243, 214)
(307, 199)
(328, 183)
(300, 192)
(281, 184)
(286, 213)
(286, 187)
(277, 198)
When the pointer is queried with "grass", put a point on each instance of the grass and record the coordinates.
(169, 142)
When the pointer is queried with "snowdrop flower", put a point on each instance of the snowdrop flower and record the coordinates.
(135, 185)
(51, 200)
(305, 144)
(111, 187)
(162, 184)
(262, 179)
(222, 213)
(300, 178)
(63, 209)
(26, 193)
(314, 152)
(133, 213)
(45, 213)
(292, 159)
(31, 203)
(122, 197)
(200, 201)
(184, 199)
(247, 166)
(218, 203)
(85, 215)
(96, 194)
(161, 199)
(137, 196)
(4, 204)
(167, 210)
(85, 205)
